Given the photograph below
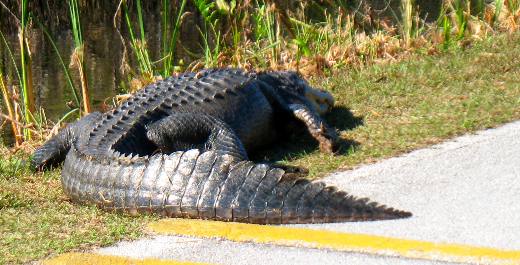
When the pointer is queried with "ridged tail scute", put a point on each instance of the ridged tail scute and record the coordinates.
(53, 151)
(206, 185)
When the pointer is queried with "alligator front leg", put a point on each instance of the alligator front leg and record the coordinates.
(183, 131)
(326, 136)
(54, 150)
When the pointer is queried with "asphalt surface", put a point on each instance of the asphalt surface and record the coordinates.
(216, 251)
(464, 191)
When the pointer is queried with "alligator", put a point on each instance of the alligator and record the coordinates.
(179, 148)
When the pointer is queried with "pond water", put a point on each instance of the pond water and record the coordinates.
(104, 53)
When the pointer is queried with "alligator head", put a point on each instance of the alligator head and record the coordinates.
(305, 102)
(293, 86)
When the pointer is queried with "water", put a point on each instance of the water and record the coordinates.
(103, 54)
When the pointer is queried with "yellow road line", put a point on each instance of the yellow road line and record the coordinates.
(96, 259)
(288, 236)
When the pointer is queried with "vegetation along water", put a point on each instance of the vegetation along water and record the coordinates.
(60, 59)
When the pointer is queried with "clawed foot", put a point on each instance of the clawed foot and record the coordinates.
(328, 139)
(294, 171)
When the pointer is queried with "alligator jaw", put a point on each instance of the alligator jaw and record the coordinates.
(320, 99)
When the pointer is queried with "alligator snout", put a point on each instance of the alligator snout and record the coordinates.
(321, 100)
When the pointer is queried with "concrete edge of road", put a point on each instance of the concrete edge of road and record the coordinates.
(322, 239)
(304, 238)
(97, 259)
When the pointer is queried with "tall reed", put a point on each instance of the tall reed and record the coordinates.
(139, 44)
(480, 7)
(165, 29)
(77, 57)
(26, 83)
(170, 43)
(209, 11)
(211, 52)
(10, 111)
(235, 13)
(445, 25)
(10, 100)
(514, 7)
(303, 36)
(407, 14)
(267, 28)
(462, 12)
(498, 5)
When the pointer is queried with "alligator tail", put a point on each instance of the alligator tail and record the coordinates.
(206, 185)
(53, 151)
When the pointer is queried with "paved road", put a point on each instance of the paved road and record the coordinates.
(465, 191)
(226, 252)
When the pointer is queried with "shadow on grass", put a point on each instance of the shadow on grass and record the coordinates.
(298, 142)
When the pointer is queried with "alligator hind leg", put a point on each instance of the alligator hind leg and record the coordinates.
(183, 131)
(295, 171)
(55, 149)
(326, 136)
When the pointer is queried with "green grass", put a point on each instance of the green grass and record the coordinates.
(77, 57)
(37, 219)
(382, 111)
(139, 45)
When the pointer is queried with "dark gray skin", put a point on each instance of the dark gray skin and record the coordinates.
(179, 148)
